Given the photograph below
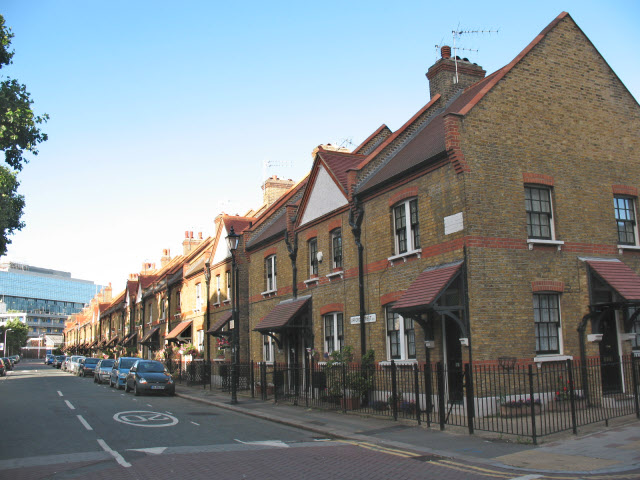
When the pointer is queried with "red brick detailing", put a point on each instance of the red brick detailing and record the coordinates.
(537, 178)
(352, 176)
(547, 286)
(403, 195)
(332, 307)
(624, 190)
(312, 233)
(270, 251)
(452, 143)
(390, 297)
(333, 224)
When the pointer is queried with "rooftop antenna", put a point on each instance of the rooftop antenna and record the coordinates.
(457, 34)
(346, 142)
(268, 164)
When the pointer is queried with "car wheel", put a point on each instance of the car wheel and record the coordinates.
(136, 392)
(126, 388)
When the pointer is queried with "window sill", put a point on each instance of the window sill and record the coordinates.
(404, 256)
(334, 275)
(269, 293)
(311, 282)
(552, 358)
(226, 302)
(399, 363)
(217, 304)
(633, 248)
(535, 241)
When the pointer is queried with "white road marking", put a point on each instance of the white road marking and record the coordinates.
(269, 443)
(527, 477)
(168, 413)
(60, 393)
(84, 422)
(69, 405)
(153, 450)
(149, 405)
(113, 453)
(141, 418)
(196, 423)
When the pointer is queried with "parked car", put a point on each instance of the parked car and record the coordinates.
(147, 376)
(60, 359)
(48, 360)
(120, 370)
(72, 367)
(102, 372)
(8, 364)
(86, 366)
(3, 371)
(16, 358)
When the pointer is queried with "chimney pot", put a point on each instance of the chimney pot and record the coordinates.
(445, 51)
(186, 234)
(199, 235)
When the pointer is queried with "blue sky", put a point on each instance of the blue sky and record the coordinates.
(163, 114)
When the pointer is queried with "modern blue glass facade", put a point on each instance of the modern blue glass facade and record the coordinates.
(47, 296)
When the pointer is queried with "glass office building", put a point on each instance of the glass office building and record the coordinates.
(47, 297)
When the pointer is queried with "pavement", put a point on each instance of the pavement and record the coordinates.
(597, 449)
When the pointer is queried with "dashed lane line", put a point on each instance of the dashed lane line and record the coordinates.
(60, 393)
(69, 405)
(84, 423)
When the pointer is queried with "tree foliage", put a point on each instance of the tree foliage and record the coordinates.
(19, 133)
(17, 337)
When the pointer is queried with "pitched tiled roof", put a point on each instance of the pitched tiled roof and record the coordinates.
(282, 314)
(339, 163)
(148, 336)
(239, 224)
(429, 142)
(369, 144)
(220, 323)
(426, 288)
(619, 276)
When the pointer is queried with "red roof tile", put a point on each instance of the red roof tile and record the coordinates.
(282, 314)
(619, 276)
(425, 289)
(338, 163)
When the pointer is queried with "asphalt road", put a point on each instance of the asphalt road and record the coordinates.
(58, 426)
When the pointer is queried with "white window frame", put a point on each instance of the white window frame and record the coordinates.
(313, 257)
(218, 291)
(270, 263)
(227, 276)
(198, 297)
(542, 354)
(634, 221)
(409, 231)
(337, 233)
(404, 337)
(338, 339)
(268, 349)
(201, 340)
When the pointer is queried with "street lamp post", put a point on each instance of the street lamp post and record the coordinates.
(232, 243)
(207, 279)
(5, 340)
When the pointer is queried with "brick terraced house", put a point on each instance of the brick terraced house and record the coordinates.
(499, 221)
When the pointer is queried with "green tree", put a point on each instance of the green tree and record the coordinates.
(17, 337)
(19, 133)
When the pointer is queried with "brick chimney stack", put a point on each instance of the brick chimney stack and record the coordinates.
(273, 188)
(442, 75)
(189, 243)
(107, 294)
(166, 257)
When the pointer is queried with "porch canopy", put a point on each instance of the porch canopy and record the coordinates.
(175, 335)
(151, 337)
(425, 291)
(112, 343)
(623, 281)
(130, 340)
(93, 344)
(216, 328)
(282, 316)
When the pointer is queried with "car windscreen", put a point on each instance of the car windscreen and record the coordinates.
(127, 362)
(151, 367)
(107, 363)
(91, 360)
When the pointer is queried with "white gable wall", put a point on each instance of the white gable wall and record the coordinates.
(325, 197)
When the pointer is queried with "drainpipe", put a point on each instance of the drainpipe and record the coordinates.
(356, 214)
(292, 247)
